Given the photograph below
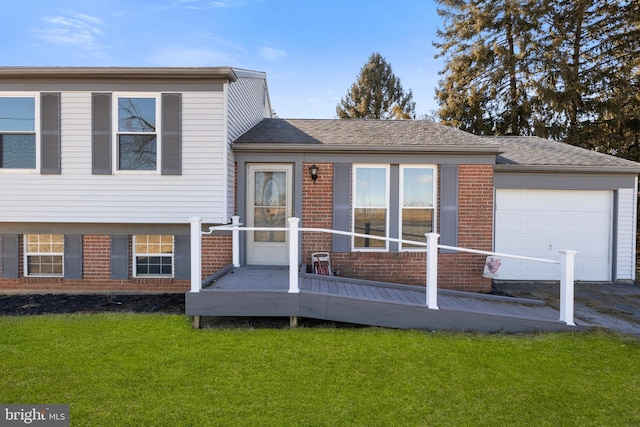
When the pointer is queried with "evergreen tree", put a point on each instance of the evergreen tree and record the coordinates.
(377, 94)
(561, 69)
(587, 57)
(486, 44)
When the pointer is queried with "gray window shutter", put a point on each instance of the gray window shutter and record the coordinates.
(182, 257)
(101, 133)
(50, 133)
(171, 134)
(341, 206)
(120, 257)
(449, 205)
(10, 262)
(73, 256)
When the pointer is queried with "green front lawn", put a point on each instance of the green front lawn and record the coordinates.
(154, 370)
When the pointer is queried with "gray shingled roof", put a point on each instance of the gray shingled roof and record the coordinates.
(363, 133)
(512, 152)
(532, 151)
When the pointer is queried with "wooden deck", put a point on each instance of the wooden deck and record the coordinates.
(263, 292)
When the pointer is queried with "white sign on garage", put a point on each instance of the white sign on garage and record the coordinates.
(539, 223)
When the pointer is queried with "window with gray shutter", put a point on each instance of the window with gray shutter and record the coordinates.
(10, 262)
(449, 205)
(171, 134)
(120, 257)
(101, 133)
(50, 133)
(341, 206)
(182, 257)
(73, 256)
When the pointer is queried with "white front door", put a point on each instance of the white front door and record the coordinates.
(269, 204)
(539, 223)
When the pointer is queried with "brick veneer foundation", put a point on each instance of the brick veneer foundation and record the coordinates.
(96, 260)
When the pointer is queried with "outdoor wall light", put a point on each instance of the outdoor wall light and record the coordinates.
(313, 171)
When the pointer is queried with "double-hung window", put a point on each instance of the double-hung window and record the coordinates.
(44, 255)
(153, 255)
(371, 206)
(417, 203)
(137, 136)
(18, 124)
(396, 201)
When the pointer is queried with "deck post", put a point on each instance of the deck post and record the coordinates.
(196, 254)
(293, 255)
(567, 269)
(432, 270)
(235, 240)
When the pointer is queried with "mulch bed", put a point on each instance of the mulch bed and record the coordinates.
(20, 305)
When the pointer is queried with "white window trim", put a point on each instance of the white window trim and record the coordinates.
(134, 264)
(114, 143)
(387, 168)
(26, 255)
(36, 96)
(434, 202)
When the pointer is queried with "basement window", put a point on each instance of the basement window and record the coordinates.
(44, 255)
(153, 255)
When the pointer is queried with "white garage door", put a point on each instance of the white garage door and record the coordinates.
(539, 223)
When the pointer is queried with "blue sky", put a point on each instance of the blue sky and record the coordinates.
(312, 51)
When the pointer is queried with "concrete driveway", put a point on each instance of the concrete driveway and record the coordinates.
(613, 306)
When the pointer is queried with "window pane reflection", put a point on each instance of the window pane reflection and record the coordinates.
(136, 115)
(373, 222)
(17, 151)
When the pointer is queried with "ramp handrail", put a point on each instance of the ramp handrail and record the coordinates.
(567, 258)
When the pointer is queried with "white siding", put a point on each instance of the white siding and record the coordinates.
(626, 234)
(77, 196)
(248, 103)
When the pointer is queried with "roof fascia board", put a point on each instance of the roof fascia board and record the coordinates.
(564, 169)
(22, 74)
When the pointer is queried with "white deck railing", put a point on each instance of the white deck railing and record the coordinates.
(567, 259)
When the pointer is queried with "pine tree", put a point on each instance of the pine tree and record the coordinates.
(588, 53)
(561, 69)
(377, 94)
(484, 88)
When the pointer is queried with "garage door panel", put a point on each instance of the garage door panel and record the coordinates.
(563, 243)
(595, 201)
(591, 266)
(538, 199)
(510, 223)
(563, 222)
(596, 223)
(569, 202)
(591, 246)
(539, 223)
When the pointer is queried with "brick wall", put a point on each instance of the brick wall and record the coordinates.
(475, 230)
(96, 260)
(216, 254)
(455, 271)
(317, 209)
